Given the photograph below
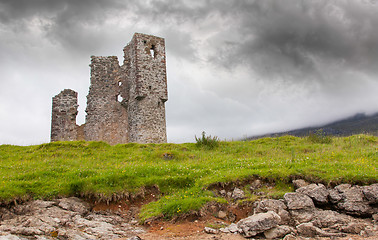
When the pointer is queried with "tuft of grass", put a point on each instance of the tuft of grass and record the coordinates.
(319, 136)
(207, 141)
(182, 172)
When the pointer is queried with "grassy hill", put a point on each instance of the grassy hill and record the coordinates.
(182, 172)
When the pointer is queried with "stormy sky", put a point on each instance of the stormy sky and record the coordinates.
(235, 68)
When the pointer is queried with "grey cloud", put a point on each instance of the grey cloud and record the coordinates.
(278, 38)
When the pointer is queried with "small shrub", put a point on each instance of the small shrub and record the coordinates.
(207, 141)
(319, 136)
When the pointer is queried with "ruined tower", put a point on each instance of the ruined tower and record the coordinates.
(144, 62)
(64, 111)
(125, 103)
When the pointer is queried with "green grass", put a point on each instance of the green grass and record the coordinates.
(181, 171)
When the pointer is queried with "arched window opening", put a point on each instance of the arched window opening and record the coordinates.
(119, 98)
(152, 51)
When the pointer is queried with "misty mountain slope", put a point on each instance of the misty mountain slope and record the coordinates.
(359, 123)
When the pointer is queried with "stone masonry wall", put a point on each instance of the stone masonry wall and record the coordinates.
(106, 118)
(125, 103)
(146, 71)
(63, 119)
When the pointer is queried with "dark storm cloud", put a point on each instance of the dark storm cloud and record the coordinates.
(289, 38)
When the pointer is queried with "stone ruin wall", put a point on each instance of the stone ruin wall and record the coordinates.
(64, 112)
(125, 103)
(145, 67)
(107, 118)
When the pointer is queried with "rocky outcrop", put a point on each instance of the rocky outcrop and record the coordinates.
(67, 218)
(313, 211)
(258, 223)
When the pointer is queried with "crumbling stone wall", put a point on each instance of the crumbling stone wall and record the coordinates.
(107, 118)
(64, 111)
(146, 71)
(125, 103)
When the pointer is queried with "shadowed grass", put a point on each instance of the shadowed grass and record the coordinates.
(96, 169)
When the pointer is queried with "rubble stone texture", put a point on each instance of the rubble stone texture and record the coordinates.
(125, 103)
(63, 121)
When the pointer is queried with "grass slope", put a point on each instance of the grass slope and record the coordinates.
(181, 171)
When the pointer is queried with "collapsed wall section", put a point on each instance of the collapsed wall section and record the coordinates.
(145, 67)
(106, 118)
(63, 118)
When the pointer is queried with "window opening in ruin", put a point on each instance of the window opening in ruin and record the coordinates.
(152, 51)
(158, 103)
(119, 98)
(149, 87)
(144, 41)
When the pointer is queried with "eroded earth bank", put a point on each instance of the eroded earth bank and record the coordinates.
(313, 211)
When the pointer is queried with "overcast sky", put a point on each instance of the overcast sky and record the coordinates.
(235, 68)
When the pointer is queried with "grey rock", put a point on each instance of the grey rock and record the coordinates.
(238, 194)
(353, 200)
(278, 232)
(222, 214)
(74, 204)
(290, 237)
(278, 206)
(223, 193)
(371, 193)
(375, 218)
(209, 230)
(255, 185)
(317, 192)
(296, 201)
(354, 227)
(269, 205)
(309, 230)
(232, 228)
(42, 218)
(329, 218)
(42, 204)
(9, 237)
(258, 223)
(335, 196)
(27, 231)
(299, 183)
(301, 216)
(134, 238)
(343, 187)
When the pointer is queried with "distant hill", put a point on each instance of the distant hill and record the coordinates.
(358, 124)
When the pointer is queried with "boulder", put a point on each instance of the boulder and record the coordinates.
(351, 199)
(278, 232)
(329, 218)
(371, 193)
(75, 205)
(354, 227)
(278, 206)
(209, 230)
(238, 194)
(309, 230)
(301, 216)
(258, 223)
(298, 201)
(317, 192)
(299, 183)
(9, 237)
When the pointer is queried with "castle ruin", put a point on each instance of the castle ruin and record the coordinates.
(125, 103)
